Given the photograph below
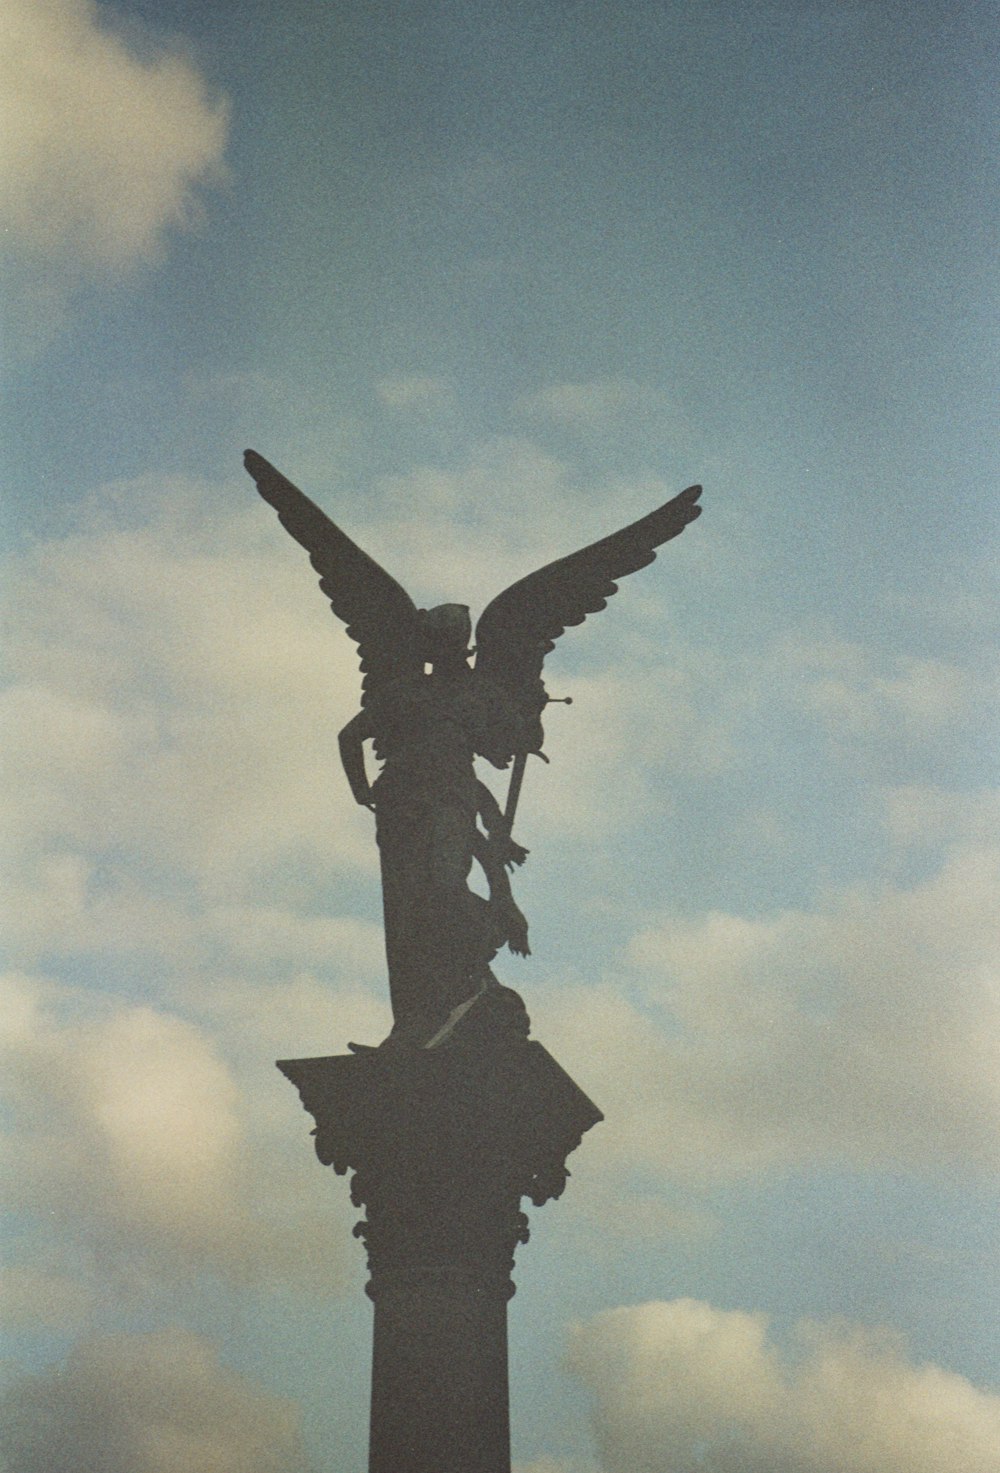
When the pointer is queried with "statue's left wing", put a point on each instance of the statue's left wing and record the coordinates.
(521, 625)
(378, 612)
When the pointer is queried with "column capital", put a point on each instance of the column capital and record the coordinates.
(443, 1144)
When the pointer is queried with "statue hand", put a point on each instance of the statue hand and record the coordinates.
(517, 930)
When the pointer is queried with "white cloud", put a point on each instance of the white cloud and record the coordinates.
(863, 1031)
(175, 806)
(261, 933)
(131, 1138)
(302, 1015)
(607, 737)
(175, 705)
(682, 1387)
(174, 790)
(602, 405)
(103, 149)
(158, 1403)
(129, 1117)
(463, 534)
(105, 154)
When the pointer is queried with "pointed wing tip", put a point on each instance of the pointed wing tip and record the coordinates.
(684, 507)
(267, 480)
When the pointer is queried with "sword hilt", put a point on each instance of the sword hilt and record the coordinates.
(520, 761)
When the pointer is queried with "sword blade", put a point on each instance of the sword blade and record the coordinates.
(514, 791)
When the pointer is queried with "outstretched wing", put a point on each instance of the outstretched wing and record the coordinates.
(522, 624)
(379, 614)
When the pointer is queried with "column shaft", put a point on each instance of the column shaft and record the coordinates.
(439, 1380)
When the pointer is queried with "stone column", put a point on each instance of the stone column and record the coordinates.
(444, 1143)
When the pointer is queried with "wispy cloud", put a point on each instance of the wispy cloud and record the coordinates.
(860, 694)
(863, 1031)
(421, 393)
(36, 1299)
(600, 404)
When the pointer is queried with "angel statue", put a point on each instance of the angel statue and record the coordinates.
(429, 713)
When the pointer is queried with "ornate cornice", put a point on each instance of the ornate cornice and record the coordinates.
(443, 1145)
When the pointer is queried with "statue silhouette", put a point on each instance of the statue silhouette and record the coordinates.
(429, 713)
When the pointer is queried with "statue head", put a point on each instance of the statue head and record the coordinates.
(446, 632)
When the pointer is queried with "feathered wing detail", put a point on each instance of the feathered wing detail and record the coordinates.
(522, 624)
(379, 614)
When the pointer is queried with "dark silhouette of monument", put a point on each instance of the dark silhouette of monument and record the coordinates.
(458, 1114)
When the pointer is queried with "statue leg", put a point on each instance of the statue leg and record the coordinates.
(403, 850)
(471, 929)
(440, 937)
(432, 924)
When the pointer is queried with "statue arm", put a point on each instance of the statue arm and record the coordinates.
(352, 756)
(492, 862)
(495, 825)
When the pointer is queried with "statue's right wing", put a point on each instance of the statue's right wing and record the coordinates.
(379, 614)
(520, 627)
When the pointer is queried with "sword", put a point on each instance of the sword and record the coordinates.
(517, 772)
(514, 791)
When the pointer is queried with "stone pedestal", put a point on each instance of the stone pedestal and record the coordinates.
(444, 1143)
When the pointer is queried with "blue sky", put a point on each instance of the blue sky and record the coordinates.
(488, 285)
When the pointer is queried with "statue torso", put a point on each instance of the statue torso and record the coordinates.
(425, 733)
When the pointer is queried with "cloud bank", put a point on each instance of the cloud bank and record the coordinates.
(174, 792)
(158, 1403)
(682, 1387)
(173, 711)
(130, 1139)
(862, 1031)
